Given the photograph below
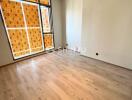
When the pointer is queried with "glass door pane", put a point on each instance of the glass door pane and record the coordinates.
(47, 29)
(32, 0)
(35, 38)
(19, 42)
(12, 11)
(46, 19)
(31, 15)
(45, 2)
(48, 40)
(33, 27)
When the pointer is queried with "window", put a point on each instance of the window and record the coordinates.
(48, 34)
(28, 26)
(45, 2)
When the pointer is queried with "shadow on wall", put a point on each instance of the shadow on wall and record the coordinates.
(5, 51)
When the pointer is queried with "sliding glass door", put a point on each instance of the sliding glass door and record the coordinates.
(28, 26)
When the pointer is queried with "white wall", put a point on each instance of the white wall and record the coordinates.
(57, 22)
(107, 29)
(5, 53)
(73, 21)
(63, 13)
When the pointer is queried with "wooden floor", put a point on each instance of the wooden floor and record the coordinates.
(64, 76)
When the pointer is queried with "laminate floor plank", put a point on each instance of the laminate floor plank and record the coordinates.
(64, 75)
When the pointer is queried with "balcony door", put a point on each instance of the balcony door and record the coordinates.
(28, 26)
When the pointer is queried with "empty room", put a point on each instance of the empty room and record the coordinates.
(65, 49)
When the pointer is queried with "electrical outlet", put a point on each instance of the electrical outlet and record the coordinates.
(97, 54)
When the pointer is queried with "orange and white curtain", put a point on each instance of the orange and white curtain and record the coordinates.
(23, 27)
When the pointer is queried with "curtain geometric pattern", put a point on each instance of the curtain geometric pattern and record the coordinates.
(48, 39)
(12, 11)
(19, 42)
(23, 27)
(31, 14)
(26, 33)
(33, 26)
(45, 2)
(35, 38)
(33, 0)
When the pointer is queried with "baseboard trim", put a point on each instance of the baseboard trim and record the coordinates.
(28, 57)
(106, 62)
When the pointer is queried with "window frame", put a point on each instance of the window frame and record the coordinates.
(41, 26)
